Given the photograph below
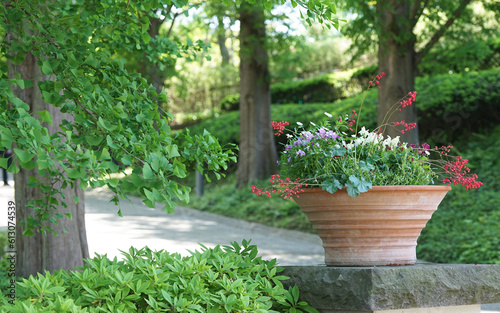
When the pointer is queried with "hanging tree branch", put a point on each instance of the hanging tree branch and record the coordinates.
(416, 12)
(441, 31)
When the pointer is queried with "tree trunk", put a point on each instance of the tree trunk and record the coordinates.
(221, 40)
(396, 57)
(41, 252)
(151, 70)
(258, 155)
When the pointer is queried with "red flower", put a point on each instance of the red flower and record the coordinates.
(279, 126)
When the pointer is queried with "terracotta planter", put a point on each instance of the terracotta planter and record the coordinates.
(379, 227)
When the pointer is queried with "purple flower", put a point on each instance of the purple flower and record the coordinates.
(321, 133)
(301, 153)
(308, 136)
(331, 134)
(288, 147)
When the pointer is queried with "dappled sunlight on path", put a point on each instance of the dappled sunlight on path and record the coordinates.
(183, 230)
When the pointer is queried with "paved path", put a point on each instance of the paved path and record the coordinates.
(183, 230)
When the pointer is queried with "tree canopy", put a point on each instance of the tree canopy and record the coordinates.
(115, 120)
(110, 114)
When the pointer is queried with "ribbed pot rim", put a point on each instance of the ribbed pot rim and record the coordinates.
(391, 188)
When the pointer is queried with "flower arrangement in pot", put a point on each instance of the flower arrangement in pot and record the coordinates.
(368, 196)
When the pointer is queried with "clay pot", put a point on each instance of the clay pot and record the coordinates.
(379, 227)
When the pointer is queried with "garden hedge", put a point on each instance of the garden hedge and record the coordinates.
(325, 88)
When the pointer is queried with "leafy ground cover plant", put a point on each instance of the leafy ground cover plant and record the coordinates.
(221, 279)
(335, 155)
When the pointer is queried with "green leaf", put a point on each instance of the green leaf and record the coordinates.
(340, 151)
(7, 138)
(331, 185)
(147, 173)
(106, 124)
(46, 68)
(28, 232)
(146, 38)
(45, 117)
(105, 154)
(172, 151)
(23, 156)
(94, 141)
(18, 103)
(74, 173)
(110, 142)
(169, 206)
(4, 162)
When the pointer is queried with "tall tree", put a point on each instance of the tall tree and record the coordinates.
(392, 25)
(69, 109)
(258, 155)
(39, 252)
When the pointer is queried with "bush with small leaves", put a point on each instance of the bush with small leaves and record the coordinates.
(221, 279)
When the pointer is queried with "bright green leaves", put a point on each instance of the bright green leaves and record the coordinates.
(331, 185)
(231, 278)
(49, 67)
(105, 124)
(45, 117)
(112, 115)
(356, 185)
(23, 156)
(147, 172)
(6, 137)
(172, 151)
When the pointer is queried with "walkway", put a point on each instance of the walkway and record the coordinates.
(183, 230)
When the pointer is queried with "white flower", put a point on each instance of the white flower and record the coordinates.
(395, 142)
(363, 131)
(313, 124)
(289, 136)
(328, 114)
(391, 142)
(299, 123)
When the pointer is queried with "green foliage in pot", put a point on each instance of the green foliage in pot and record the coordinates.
(223, 279)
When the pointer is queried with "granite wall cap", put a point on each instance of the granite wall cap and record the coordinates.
(366, 289)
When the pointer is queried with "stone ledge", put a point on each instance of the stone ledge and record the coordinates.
(368, 289)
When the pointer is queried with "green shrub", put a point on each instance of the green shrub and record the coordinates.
(231, 102)
(312, 90)
(325, 88)
(454, 105)
(362, 75)
(470, 56)
(222, 279)
(465, 227)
